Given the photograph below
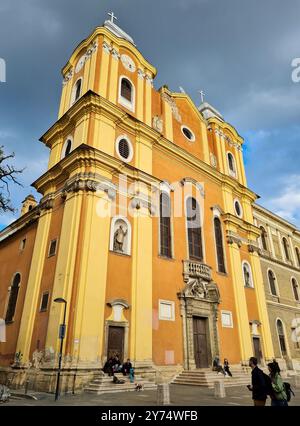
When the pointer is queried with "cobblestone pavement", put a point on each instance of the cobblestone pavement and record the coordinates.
(179, 395)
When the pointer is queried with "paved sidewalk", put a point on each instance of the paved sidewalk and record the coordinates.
(180, 395)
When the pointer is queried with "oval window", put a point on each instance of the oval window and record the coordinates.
(188, 133)
(124, 149)
(238, 208)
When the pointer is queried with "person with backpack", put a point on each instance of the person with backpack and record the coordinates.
(279, 396)
(259, 385)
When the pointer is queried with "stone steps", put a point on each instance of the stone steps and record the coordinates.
(104, 384)
(207, 378)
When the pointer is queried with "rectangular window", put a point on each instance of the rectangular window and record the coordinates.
(52, 248)
(226, 319)
(44, 302)
(166, 310)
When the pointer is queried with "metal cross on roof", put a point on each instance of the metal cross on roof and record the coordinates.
(202, 94)
(112, 17)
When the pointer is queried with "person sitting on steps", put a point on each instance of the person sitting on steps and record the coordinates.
(226, 367)
(217, 366)
(126, 367)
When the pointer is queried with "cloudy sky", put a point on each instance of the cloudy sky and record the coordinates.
(239, 52)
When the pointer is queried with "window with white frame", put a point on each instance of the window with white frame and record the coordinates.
(76, 91)
(126, 93)
(67, 147)
(238, 208)
(231, 164)
(124, 148)
(166, 310)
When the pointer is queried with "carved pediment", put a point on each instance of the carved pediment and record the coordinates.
(198, 282)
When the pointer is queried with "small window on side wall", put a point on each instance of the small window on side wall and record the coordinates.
(272, 282)
(13, 298)
(52, 248)
(295, 289)
(44, 302)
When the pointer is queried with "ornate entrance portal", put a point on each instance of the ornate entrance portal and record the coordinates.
(199, 310)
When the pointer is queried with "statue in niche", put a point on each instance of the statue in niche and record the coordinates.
(119, 238)
(247, 277)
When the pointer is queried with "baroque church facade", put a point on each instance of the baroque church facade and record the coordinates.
(145, 228)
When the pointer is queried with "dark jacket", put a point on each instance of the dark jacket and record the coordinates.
(259, 385)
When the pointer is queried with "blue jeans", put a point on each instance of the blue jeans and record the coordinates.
(279, 403)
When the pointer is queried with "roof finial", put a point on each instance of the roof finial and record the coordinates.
(112, 17)
(202, 94)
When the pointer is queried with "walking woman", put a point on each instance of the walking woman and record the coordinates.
(279, 397)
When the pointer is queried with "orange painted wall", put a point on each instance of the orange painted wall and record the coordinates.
(12, 260)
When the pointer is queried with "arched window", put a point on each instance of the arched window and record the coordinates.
(13, 297)
(194, 229)
(67, 148)
(298, 256)
(219, 245)
(286, 248)
(264, 238)
(231, 164)
(295, 289)
(126, 89)
(126, 93)
(78, 89)
(272, 282)
(165, 225)
(280, 331)
(247, 273)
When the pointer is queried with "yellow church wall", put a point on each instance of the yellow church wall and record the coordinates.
(39, 332)
(168, 282)
(189, 119)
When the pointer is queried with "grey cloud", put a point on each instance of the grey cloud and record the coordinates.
(238, 52)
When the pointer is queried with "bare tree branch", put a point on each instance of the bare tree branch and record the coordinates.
(8, 175)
